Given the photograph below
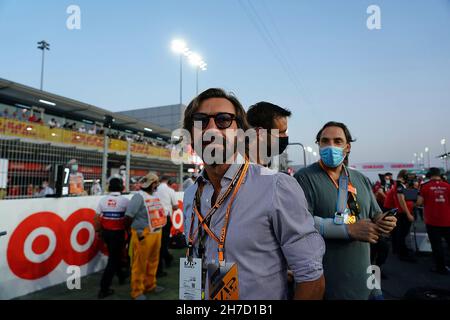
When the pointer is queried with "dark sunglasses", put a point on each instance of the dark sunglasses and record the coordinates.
(223, 120)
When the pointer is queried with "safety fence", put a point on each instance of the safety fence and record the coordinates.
(31, 152)
(59, 136)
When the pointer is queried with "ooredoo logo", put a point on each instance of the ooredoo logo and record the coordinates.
(42, 240)
(177, 219)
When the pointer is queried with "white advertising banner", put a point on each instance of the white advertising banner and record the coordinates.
(45, 237)
(372, 170)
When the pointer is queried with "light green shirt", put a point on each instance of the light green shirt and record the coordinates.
(345, 261)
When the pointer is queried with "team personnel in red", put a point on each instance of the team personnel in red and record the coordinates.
(111, 216)
(435, 198)
(382, 188)
(396, 198)
(379, 251)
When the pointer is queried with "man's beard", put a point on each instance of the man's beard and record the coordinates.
(214, 154)
(222, 160)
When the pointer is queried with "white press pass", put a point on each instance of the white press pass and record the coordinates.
(190, 279)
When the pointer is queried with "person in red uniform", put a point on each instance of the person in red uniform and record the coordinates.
(379, 251)
(435, 198)
(382, 187)
(395, 198)
(110, 222)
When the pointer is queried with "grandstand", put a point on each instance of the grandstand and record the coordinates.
(39, 129)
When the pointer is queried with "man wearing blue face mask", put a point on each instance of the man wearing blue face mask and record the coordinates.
(345, 213)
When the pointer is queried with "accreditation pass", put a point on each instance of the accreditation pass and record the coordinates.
(190, 279)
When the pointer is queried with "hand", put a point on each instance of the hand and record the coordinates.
(386, 224)
(410, 217)
(364, 230)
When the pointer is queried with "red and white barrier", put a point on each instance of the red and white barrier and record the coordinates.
(44, 237)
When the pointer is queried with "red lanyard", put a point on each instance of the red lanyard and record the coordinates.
(235, 184)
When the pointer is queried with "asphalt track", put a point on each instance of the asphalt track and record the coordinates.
(401, 276)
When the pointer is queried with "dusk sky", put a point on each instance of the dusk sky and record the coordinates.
(318, 58)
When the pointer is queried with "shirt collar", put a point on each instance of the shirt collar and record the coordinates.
(114, 193)
(163, 185)
(232, 170)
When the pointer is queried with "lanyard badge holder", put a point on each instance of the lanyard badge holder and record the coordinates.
(222, 278)
(190, 284)
(191, 274)
(223, 281)
(342, 212)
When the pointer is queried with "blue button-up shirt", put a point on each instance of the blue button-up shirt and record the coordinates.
(269, 231)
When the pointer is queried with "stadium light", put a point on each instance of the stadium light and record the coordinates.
(43, 45)
(197, 61)
(148, 129)
(427, 151)
(47, 102)
(22, 106)
(179, 46)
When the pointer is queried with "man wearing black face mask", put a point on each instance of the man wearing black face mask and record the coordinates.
(268, 116)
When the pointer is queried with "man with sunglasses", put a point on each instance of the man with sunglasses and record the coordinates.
(346, 214)
(245, 221)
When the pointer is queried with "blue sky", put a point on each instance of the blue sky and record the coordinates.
(390, 86)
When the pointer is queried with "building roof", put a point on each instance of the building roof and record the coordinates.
(169, 116)
(17, 93)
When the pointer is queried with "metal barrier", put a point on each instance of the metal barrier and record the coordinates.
(29, 165)
(29, 153)
(58, 136)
